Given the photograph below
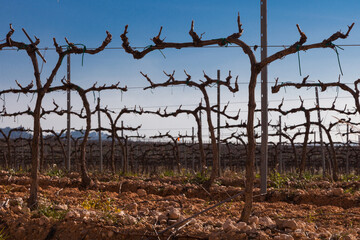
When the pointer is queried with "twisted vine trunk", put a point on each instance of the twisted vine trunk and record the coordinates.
(333, 154)
(249, 176)
(34, 186)
(123, 152)
(85, 179)
(125, 156)
(215, 163)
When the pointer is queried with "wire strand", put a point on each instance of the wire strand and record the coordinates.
(230, 46)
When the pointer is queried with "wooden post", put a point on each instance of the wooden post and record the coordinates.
(22, 153)
(281, 164)
(126, 159)
(185, 156)
(192, 152)
(15, 155)
(123, 155)
(200, 127)
(100, 140)
(218, 123)
(264, 101)
(122, 129)
(41, 167)
(320, 133)
(68, 132)
(136, 156)
(347, 150)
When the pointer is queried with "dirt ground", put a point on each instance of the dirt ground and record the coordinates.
(146, 208)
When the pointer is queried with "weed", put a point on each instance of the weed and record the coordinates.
(100, 202)
(167, 173)
(310, 217)
(197, 178)
(349, 224)
(110, 218)
(200, 178)
(349, 178)
(351, 190)
(231, 174)
(278, 180)
(104, 204)
(3, 235)
(227, 208)
(55, 172)
(308, 176)
(298, 184)
(8, 189)
(188, 211)
(128, 174)
(48, 211)
(19, 171)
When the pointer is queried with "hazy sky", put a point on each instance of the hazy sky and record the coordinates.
(85, 22)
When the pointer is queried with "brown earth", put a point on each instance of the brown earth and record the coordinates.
(139, 208)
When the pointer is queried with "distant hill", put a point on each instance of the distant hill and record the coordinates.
(92, 135)
(74, 134)
(15, 134)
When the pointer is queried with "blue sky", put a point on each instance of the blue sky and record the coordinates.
(86, 22)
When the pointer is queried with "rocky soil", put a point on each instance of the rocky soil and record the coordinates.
(139, 208)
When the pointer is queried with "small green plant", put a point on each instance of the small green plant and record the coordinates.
(310, 217)
(48, 211)
(55, 172)
(230, 174)
(350, 178)
(19, 171)
(351, 190)
(129, 174)
(197, 178)
(349, 224)
(3, 235)
(308, 176)
(110, 217)
(187, 174)
(227, 208)
(200, 178)
(168, 173)
(100, 202)
(188, 211)
(278, 180)
(8, 189)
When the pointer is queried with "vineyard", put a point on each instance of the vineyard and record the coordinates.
(114, 173)
(151, 157)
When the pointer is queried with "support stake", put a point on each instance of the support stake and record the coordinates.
(100, 140)
(68, 136)
(264, 101)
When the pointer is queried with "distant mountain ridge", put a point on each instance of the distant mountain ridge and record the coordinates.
(74, 134)
(15, 134)
(92, 135)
